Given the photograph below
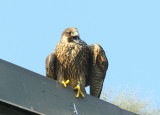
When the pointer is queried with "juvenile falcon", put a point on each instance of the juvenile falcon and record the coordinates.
(77, 64)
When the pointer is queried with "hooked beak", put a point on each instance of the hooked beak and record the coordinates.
(76, 39)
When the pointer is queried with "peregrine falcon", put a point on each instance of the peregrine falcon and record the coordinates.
(77, 64)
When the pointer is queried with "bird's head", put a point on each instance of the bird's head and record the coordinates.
(70, 35)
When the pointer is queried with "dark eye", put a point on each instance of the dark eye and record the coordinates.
(69, 33)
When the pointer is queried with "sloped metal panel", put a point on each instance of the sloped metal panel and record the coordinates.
(36, 92)
(7, 108)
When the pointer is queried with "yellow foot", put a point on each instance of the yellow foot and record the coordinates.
(65, 83)
(79, 92)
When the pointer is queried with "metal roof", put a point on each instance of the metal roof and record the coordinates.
(35, 93)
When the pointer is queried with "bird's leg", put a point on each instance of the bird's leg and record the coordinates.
(65, 82)
(79, 92)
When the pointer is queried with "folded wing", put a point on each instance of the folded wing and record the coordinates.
(50, 66)
(98, 68)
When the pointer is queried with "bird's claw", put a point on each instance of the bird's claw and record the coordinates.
(79, 92)
(65, 83)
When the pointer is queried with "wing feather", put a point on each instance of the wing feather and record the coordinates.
(98, 68)
(50, 66)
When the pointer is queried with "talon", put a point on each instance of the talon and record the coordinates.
(65, 83)
(79, 92)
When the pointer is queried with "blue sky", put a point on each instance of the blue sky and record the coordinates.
(128, 30)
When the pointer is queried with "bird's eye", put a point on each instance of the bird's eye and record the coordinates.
(69, 33)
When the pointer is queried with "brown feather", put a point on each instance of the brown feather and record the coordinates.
(72, 63)
(98, 68)
(73, 59)
(50, 66)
